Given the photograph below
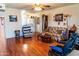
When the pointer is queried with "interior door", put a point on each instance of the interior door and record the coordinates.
(2, 37)
(44, 22)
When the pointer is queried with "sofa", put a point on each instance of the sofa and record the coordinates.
(55, 33)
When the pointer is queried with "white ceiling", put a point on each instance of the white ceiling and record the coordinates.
(28, 6)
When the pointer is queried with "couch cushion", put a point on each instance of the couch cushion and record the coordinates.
(58, 49)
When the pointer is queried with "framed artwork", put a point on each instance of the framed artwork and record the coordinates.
(13, 18)
(38, 20)
(59, 17)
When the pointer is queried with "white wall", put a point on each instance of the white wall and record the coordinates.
(22, 18)
(27, 20)
(72, 10)
(10, 27)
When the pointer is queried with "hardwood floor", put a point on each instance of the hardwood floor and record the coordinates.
(28, 47)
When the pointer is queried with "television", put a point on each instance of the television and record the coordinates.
(59, 17)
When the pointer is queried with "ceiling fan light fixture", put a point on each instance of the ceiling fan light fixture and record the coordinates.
(37, 9)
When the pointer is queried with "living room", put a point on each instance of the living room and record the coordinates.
(35, 32)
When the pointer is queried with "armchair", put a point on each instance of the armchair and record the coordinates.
(65, 50)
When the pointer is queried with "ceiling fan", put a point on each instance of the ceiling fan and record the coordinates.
(39, 7)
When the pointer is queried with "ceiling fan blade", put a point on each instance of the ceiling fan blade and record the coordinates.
(46, 6)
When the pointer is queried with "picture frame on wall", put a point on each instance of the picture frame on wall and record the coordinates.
(38, 20)
(59, 17)
(12, 18)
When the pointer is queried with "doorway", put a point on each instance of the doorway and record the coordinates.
(2, 37)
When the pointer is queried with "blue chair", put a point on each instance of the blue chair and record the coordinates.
(65, 50)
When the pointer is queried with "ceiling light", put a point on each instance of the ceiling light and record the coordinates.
(37, 8)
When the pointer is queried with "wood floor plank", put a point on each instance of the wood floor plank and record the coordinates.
(28, 47)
